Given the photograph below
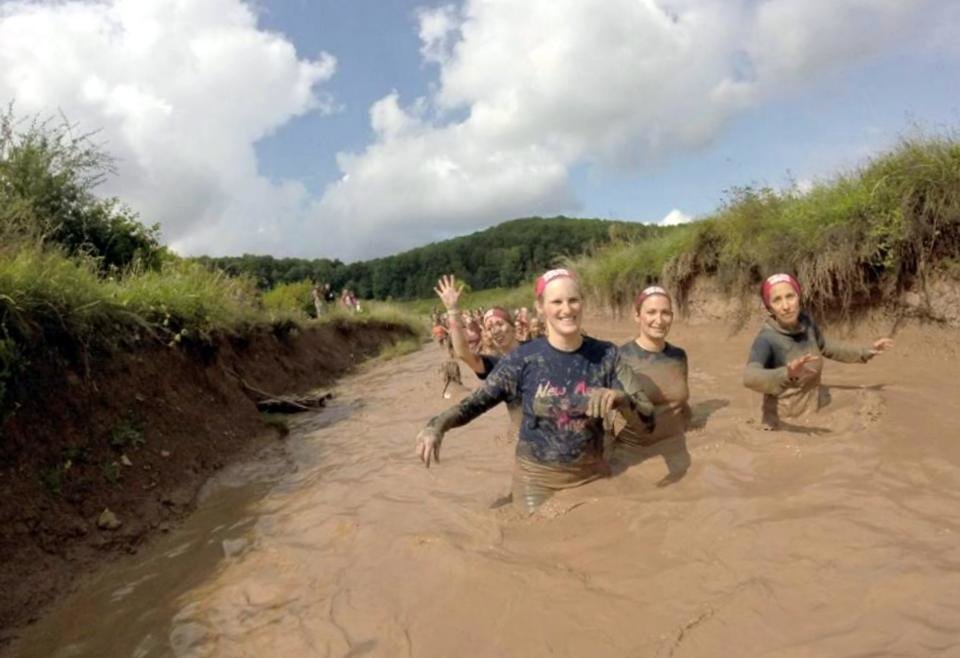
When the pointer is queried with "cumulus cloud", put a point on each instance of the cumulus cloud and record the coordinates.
(524, 93)
(612, 85)
(675, 217)
(181, 90)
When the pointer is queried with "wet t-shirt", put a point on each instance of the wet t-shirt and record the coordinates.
(662, 376)
(553, 388)
(773, 348)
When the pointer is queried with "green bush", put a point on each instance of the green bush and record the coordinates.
(852, 241)
(47, 177)
(295, 298)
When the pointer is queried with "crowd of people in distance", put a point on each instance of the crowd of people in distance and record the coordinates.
(324, 299)
(577, 402)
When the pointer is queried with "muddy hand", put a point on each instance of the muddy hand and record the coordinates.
(603, 400)
(428, 445)
(881, 345)
(797, 368)
(448, 291)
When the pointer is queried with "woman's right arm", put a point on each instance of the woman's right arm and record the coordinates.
(501, 385)
(449, 293)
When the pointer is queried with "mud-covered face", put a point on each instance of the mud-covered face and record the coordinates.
(561, 306)
(500, 331)
(522, 333)
(785, 304)
(654, 317)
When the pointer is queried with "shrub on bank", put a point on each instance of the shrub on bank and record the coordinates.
(853, 241)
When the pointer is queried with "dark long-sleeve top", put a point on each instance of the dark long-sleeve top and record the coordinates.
(775, 346)
(553, 388)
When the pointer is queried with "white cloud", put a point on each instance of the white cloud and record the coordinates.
(547, 85)
(675, 217)
(525, 92)
(181, 89)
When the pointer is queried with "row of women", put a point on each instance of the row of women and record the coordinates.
(566, 391)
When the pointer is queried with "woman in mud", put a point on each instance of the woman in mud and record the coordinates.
(661, 370)
(785, 361)
(566, 384)
(497, 323)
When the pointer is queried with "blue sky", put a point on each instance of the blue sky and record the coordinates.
(359, 128)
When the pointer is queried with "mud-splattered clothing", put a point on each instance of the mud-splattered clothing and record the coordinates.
(662, 377)
(558, 446)
(553, 388)
(766, 370)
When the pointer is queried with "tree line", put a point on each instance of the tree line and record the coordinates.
(505, 255)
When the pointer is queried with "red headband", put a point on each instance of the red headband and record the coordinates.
(497, 312)
(649, 291)
(773, 280)
(552, 275)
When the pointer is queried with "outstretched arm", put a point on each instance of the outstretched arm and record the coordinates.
(449, 293)
(500, 386)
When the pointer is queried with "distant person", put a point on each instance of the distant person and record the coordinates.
(329, 297)
(785, 362)
(317, 294)
(566, 384)
(450, 372)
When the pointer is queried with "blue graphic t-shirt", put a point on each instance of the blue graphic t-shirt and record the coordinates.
(553, 388)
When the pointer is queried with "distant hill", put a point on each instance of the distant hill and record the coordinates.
(504, 255)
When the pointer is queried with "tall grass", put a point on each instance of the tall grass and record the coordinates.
(852, 241)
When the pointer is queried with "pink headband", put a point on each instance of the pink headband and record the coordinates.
(649, 291)
(552, 275)
(497, 312)
(773, 280)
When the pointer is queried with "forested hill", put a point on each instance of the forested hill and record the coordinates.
(504, 255)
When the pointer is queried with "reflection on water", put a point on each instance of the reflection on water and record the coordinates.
(838, 537)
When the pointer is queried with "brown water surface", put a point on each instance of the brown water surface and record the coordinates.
(837, 537)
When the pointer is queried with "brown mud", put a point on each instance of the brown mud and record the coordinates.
(138, 434)
(837, 536)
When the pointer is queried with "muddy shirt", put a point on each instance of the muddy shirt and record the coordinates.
(490, 362)
(662, 377)
(553, 388)
(766, 370)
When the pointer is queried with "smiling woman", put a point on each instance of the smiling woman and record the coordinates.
(565, 385)
(785, 361)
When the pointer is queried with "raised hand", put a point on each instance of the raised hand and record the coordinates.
(881, 345)
(448, 291)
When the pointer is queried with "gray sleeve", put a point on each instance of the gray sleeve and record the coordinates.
(758, 375)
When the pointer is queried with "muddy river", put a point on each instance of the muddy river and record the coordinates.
(837, 537)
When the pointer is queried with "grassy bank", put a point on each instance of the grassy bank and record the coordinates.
(854, 241)
(52, 301)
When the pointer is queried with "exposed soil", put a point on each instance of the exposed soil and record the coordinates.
(138, 434)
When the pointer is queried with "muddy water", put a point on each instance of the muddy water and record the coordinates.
(837, 537)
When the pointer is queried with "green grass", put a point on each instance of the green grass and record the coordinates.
(54, 302)
(853, 241)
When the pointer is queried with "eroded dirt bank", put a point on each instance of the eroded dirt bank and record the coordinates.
(835, 537)
(138, 434)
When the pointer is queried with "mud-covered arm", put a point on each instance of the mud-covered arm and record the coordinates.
(500, 386)
(759, 376)
(461, 347)
(640, 410)
(842, 352)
